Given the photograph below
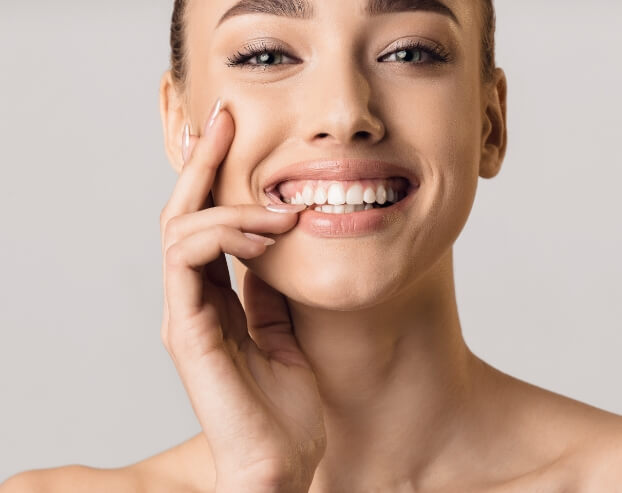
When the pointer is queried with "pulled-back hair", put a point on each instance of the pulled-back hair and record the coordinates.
(179, 53)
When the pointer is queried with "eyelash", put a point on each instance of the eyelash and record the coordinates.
(438, 54)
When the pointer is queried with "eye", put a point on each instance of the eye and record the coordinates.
(413, 51)
(266, 56)
(410, 52)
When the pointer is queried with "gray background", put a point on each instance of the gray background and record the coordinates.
(84, 377)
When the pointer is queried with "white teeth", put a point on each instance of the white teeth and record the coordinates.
(369, 196)
(320, 196)
(381, 194)
(355, 194)
(336, 194)
(297, 199)
(341, 209)
(307, 195)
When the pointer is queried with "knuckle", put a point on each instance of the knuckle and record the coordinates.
(174, 256)
(164, 217)
(218, 232)
(172, 231)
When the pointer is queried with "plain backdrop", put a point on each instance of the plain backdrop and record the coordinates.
(84, 377)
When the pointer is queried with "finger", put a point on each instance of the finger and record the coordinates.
(249, 218)
(246, 217)
(186, 290)
(269, 321)
(197, 175)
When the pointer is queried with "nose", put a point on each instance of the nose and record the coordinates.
(339, 111)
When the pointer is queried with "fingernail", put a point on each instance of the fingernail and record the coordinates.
(214, 114)
(260, 239)
(285, 208)
(185, 142)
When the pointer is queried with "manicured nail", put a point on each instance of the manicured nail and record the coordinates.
(285, 208)
(185, 142)
(214, 114)
(260, 239)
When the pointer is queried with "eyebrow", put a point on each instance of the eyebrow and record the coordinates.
(303, 9)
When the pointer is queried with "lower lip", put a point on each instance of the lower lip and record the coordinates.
(325, 225)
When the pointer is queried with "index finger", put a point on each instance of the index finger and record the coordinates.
(197, 176)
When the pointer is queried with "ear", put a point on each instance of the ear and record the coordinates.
(494, 128)
(173, 115)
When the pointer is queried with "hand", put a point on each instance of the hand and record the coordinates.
(256, 397)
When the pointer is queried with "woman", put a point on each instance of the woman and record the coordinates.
(341, 366)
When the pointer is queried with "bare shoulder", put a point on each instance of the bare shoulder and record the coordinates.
(73, 478)
(593, 464)
(600, 459)
(187, 466)
(184, 468)
(561, 444)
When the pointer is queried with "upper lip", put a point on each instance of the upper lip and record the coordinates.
(340, 170)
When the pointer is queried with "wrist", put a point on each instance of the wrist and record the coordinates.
(253, 488)
(250, 486)
(298, 481)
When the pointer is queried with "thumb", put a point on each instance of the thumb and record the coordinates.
(269, 322)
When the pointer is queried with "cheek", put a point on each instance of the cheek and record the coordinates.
(262, 119)
(440, 128)
(441, 124)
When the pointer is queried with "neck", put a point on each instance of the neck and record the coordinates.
(394, 379)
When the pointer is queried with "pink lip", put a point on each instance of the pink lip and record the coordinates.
(342, 170)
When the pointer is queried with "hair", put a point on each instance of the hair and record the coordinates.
(179, 53)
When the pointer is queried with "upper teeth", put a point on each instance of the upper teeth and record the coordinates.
(334, 193)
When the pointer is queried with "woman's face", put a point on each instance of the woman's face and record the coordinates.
(343, 90)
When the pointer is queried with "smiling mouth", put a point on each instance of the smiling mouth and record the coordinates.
(342, 197)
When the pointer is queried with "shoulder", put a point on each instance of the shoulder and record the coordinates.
(594, 463)
(600, 459)
(74, 478)
(591, 466)
(562, 444)
(185, 468)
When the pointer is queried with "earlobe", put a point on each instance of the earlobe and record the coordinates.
(494, 128)
(172, 114)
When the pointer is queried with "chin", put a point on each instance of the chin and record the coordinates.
(342, 285)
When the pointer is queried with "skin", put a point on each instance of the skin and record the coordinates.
(406, 406)
(392, 367)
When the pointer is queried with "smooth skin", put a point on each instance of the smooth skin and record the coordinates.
(375, 389)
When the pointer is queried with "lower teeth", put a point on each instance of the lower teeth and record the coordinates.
(341, 209)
